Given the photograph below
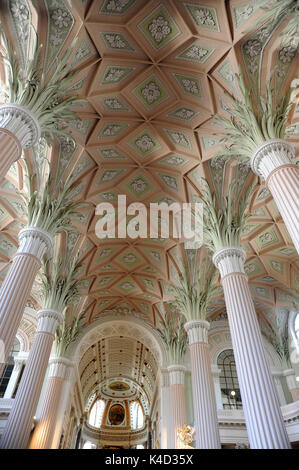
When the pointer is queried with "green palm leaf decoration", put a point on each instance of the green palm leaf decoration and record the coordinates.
(279, 337)
(195, 287)
(59, 283)
(175, 337)
(46, 98)
(278, 9)
(67, 333)
(224, 217)
(253, 120)
(50, 210)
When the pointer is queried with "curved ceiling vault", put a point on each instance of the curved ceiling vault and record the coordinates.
(153, 74)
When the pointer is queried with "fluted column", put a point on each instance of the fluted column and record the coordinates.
(165, 425)
(177, 402)
(44, 431)
(274, 161)
(292, 383)
(67, 391)
(16, 288)
(19, 424)
(203, 391)
(264, 421)
(19, 130)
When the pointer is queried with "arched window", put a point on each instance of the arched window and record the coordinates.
(136, 415)
(96, 413)
(294, 330)
(230, 390)
(7, 371)
(89, 445)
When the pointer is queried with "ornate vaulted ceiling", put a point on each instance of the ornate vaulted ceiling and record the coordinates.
(153, 74)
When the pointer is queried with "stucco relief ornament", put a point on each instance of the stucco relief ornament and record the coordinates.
(108, 196)
(130, 258)
(117, 5)
(196, 52)
(170, 181)
(109, 175)
(115, 40)
(175, 160)
(252, 47)
(179, 138)
(287, 54)
(151, 92)
(144, 143)
(159, 28)
(245, 14)
(111, 130)
(61, 18)
(109, 153)
(114, 75)
(113, 103)
(205, 17)
(138, 185)
(190, 86)
(19, 11)
(184, 113)
(127, 286)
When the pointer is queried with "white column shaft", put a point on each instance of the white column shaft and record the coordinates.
(10, 151)
(178, 412)
(16, 288)
(44, 431)
(14, 293)
(17, 431)
(204, 402)
(283, 184)
(265, 425)
(274, 161)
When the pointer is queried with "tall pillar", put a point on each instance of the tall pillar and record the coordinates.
(264, 421)
(16, 288)
(177, 402)
(14, 378)
(293, 385)
(204, 402)
(273, 161)
(165, 425)
(17, 431)
(64, 403)
(19, 130)
(44, 431)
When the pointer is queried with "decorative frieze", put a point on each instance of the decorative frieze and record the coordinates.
(21, 123)
(271, 155)
(230, 260)
(197, 331)
(60, 367)
(177, 374)
(48, 321)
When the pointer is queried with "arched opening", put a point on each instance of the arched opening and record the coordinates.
(229, 384)
(137, 415)
(89, 445)
(96, 413)
(8, 368)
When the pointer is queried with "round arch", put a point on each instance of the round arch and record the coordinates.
(112, 325)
